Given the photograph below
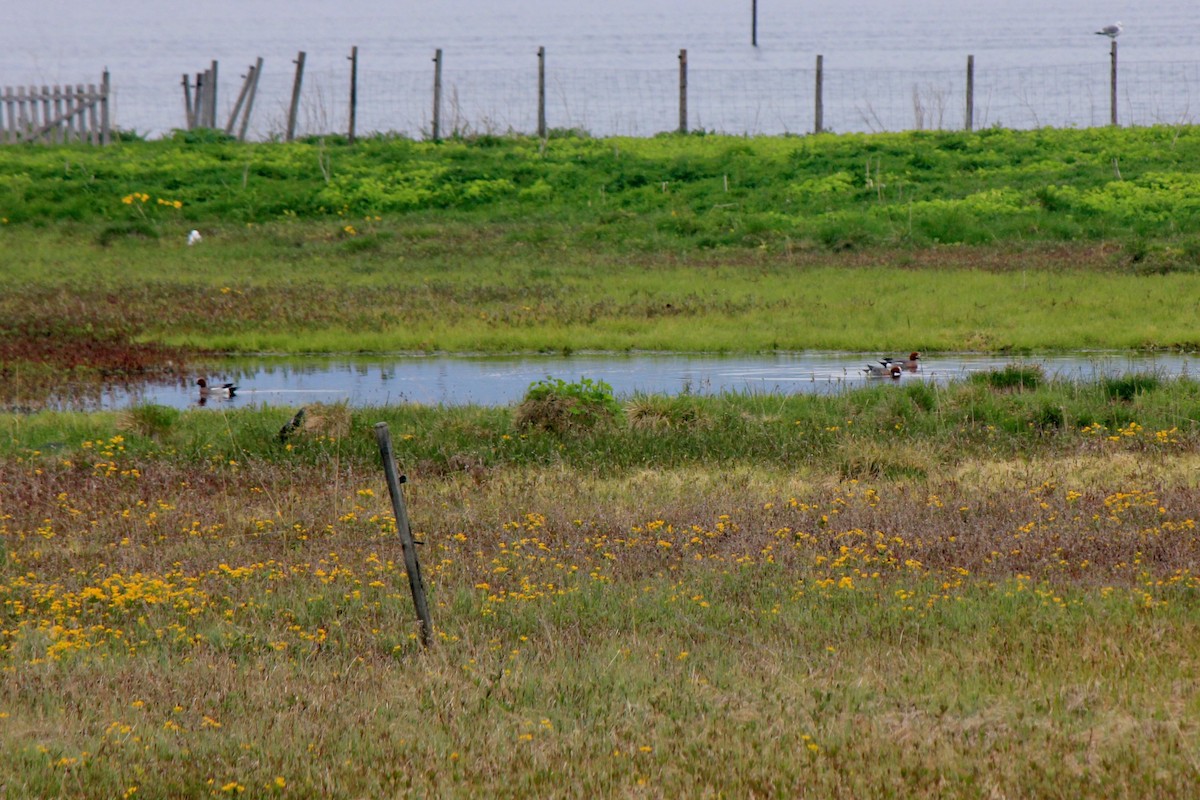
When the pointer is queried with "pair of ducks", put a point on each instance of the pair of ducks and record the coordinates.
(893, 367)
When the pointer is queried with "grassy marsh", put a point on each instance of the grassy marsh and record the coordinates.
(989, 588)
(244, 626)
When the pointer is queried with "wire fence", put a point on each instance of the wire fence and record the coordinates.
(627, 102)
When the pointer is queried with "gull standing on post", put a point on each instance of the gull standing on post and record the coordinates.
(1111, 31)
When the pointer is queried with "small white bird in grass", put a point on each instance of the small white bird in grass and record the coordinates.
(193, 237)
(1111, 31)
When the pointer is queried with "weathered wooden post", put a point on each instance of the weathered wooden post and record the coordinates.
(818, 99)
(93, 100)
(105, 90)
(411, 565)
(198, 101)
(437, 95)
(256, 70)
(1112, 97)
(211, 96)
(189, 101)
(683, 121)
(353, 91)
(969, 123)
(241, 100)
(541, 122)
(754, 23)
(295, 107)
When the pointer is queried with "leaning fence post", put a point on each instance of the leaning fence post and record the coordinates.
(256, 70)
(683, 122)
(384, 439)
(295, 107)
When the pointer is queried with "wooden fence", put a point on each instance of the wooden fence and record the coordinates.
(54, 115)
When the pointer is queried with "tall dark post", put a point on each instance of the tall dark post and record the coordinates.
(411, 565)
(295, 107)
(353, 91)
(437, 95)
(105, 91)
(210, 97)
(541, 122)
(970, 116)
(754, 23)
(819, 99)
(683, 125)
(189, 111)
(1113, 89)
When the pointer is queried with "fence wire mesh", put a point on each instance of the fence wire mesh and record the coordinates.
(628, 102)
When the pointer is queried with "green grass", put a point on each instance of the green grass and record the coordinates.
(890, 430)
(303, 294)
(998, 240)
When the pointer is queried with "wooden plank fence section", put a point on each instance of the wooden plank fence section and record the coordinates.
(56, 115)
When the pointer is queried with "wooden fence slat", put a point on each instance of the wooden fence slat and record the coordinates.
(93, 97)
(46, 101)
(70, 129)
(8, 130)
(22, 114)
(80, 101)
(58, 112)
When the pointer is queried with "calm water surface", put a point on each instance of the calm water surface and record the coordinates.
(492, 381)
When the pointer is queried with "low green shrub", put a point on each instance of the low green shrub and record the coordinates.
(555, 405)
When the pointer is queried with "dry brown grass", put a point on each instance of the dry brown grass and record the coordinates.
(679, 633)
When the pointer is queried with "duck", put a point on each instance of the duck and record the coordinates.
(223, 390)
(883, 370)
(908, 364)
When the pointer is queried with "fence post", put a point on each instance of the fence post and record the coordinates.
(754, 23)
(353, 92)
(818, 99)
(105, 88)
(683, 120)
(241, 99)
(295, 107)
(970, 116)
(437, 95)
(1113, 88)
(198, 101)
(256, 70)
(541, 122)
(211, 96)
(411, 565)
(189, 116)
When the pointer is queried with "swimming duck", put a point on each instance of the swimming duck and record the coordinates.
(882, 370)
(206, 391)
(908, 364)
